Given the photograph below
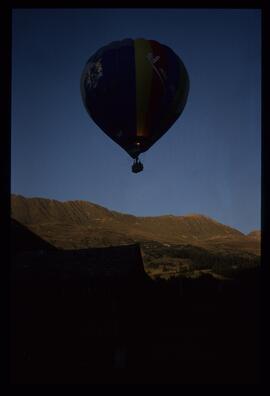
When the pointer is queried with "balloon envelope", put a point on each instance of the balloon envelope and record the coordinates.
(134, 90)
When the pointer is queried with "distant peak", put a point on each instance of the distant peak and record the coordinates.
(196, 215)
(254, 234)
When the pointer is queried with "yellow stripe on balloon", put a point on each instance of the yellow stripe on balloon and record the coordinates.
(144, 72)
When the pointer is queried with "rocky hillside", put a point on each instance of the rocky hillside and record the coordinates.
(81, 224)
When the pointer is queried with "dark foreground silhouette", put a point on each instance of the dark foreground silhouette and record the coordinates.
(94, 316)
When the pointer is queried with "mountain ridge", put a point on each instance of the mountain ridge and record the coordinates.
(163, 216)
(79, 224)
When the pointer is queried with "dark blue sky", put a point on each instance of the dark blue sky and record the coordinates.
(209, 162)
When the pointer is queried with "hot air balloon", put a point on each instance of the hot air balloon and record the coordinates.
(134, 90)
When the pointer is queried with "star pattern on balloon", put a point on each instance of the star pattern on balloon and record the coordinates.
(95, 71)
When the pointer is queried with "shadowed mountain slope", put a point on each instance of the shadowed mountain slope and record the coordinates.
(22, 239)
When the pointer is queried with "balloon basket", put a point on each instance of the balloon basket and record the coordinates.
(137, 166)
